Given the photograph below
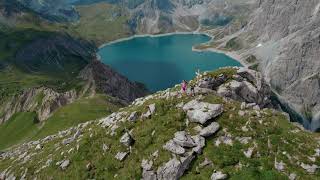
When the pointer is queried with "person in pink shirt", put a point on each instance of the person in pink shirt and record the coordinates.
(184, 86)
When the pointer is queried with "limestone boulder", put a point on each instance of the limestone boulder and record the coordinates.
(201, 112)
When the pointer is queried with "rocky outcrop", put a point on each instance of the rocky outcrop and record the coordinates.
(201, 112)
(246, 85)
(249, 87)
(126, 139)
(107, 81)
(174, 168)
(185, 147)
(44, 101)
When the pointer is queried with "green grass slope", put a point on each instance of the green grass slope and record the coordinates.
(23, 127)
(82, 110)
(101, 23)
(19, 127)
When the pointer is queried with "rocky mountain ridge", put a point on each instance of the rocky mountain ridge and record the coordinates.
(207, 136)
(42, 100)
(108, 81)
(97, 77)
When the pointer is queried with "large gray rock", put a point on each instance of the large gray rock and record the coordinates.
(72, 138)
(200, 143)
(126, 139)
(211, 83)
(201, 112)
(174, 148)
(218, 176)
(280, 166)
(175, 168)
(121, 155)
(133, 116)
(206, 162)
(151, 110)
(65, 164)
(149, 175)
(310, 168)
(146, 165)
(210, 130)
(183, 139)
(251, 76)
(147, 172)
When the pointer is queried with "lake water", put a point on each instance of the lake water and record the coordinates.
(163, 61)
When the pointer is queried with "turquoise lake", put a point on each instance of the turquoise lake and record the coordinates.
(163, 61)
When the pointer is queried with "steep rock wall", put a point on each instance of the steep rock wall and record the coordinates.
(289, 33)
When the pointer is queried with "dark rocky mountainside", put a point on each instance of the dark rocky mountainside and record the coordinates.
(107, 81)
(54, 52)
(57, 11)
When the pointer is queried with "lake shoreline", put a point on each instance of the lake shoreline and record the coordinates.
(153, 36)
(230, 54)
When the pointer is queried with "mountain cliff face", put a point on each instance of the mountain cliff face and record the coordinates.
(43, 101)
(163, 16)
(282, 37)
(154, 16)
(289, 33)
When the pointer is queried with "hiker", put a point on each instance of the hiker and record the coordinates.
(192, 86)
(184, 85)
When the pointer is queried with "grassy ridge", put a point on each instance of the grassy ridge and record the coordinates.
(152, 133)
(80, 111)
(23, 127)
